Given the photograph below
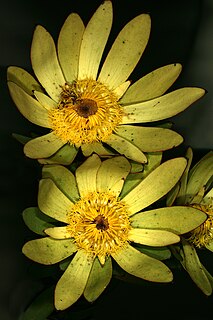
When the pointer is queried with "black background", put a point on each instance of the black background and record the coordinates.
(180, 33)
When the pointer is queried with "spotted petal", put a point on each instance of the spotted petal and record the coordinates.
(43, 147)
(73, 282)
(155, 185)
(64, 180)
(69, 42)
(163, 107)
(23, 79)
(49, 251)
(126, 51)
(151, 237)
(45, 63)
(150, 139)
(152, 85)
(126, 148)
(94, 41)
(28, 106)
(111, 175)
(176, 219)
(142, 266)
(99, 278)
(52, 201)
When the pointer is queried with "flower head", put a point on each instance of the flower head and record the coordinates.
(91, 106)
(103, 218)
(195, 190)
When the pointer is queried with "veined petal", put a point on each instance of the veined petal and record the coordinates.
(152, 85)
(45, 100)
(69, 42)
(45, 63)
(150, 139)
(64, 180)
(52, 201)
(96, 147)
(175, 219)
(73, 282)
(163, 107)
(49, 251)
(142, 266)
(94, 41)
(43, 147)
(121, 89)
(58, 232)
(208, 197)
(153, 238)
(65, 155)
(126, 148)
(86, 175)
(23, 79)
(99, 278)
(29, 107)
(112, 174)
(158, 183)
(126, 51)
(195, 269)
(199, 176)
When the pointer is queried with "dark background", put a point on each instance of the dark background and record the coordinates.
(180, 33)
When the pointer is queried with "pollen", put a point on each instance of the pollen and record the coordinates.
(202, 235)
(99, 224)
(87, 112)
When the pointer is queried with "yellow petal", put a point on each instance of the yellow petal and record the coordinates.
(94, 41)
(72, 283)
(158, 183)
(45, 63)
(65, 156)
(23, 79)
(52, 201)
(69, 42)
(29, 107)
(156, 238)
(43, 147)
(126, 51)
(126, 148)
(99, 278)
(96, 147)
(153, 84)
(64, 180)
(112, 174)
(58, 233)
(86, 175)
(142, 266)
(120, 90)
(49, 251)
(175, 219)
(163, 107)
(150, 139)
(45, 101)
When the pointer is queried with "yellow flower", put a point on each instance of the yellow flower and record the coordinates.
(99, 222)
(88, 105)
(195, 190)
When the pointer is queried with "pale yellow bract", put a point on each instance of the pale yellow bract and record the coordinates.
(100, 222)
(92, 106)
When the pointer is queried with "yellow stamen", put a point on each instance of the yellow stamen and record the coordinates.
(99, 223)
(87, 112)
(202, 235)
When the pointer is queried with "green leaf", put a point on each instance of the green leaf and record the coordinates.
(41, 307)
(36, 220)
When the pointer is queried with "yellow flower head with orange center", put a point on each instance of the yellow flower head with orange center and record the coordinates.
(89, 105)
(103, 217)
(87, 112)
